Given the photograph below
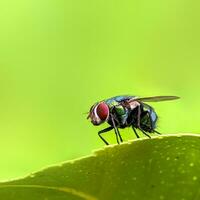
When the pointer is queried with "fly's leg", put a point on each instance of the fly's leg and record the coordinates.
(138, 116)
(120, 137)
(138, 123)
(104, 131)
(156, 132)
(135, 132)
(144, 133)
(116, 131)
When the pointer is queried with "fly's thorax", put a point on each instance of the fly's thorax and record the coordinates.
(120, 110)
(120, 113)
(133, 104)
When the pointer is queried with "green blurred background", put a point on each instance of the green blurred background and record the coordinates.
(57, 58)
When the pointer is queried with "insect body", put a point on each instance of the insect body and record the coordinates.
(126, 111)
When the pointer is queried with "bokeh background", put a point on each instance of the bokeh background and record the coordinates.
(57, 58)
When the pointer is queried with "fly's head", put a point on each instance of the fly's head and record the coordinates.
(99, 113)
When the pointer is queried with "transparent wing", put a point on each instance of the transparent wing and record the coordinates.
(155, 98)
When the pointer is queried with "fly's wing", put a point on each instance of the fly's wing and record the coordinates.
(155, 98)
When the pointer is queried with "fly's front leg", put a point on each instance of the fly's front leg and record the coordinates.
(116, 131)
(104, 131)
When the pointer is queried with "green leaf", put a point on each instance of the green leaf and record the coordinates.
(164, 167)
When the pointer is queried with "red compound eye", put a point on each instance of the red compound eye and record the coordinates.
(102, 111)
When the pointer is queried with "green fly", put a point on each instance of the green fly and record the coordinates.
(126, 111)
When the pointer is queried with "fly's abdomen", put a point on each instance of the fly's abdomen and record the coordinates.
(148, 120)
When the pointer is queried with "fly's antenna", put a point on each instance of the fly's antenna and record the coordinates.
(87, 113)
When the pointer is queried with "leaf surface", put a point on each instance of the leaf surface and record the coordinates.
(164, 167)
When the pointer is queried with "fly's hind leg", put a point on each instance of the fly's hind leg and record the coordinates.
(104, 131)
(138, 123)
(157, 132)
(135, 132)
(152, 123)
(152, 127)
(144, 133)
